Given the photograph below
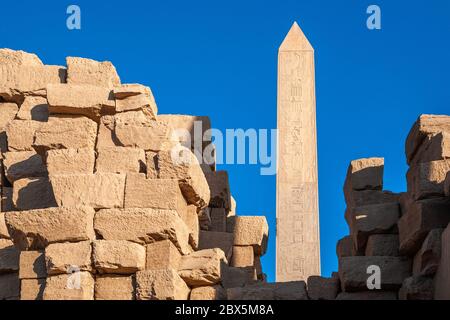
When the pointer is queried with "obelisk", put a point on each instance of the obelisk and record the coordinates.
(298, 241)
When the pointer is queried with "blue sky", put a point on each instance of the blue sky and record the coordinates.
(218, 58)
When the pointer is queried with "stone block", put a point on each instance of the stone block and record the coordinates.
(4, 234)
(252, 231)
(32, 289)
(220, 189)
(368, 197)
(243, 256)
(233, 277)
(23, 164)
(9, 286)
(222, 240)
(208, 293)
(368, 295)
(120, 160)
(68, 257)
(416, 288)
(21, 134)
(106, 136)
(90, 72)
(364, 174)
(218, 219)
(427, 179)
(426, 261)
(8, 111)
(152, 164)
(162, 255)
(294, 290)
(75, 286)
(191, 220)
(320, 288)
(32, 265)
(33, 108)
(70, 161)
(434, 147)
(9, 256)
(382, 245)
(442, 278)
(163, 284)
(344, 247)
(32, 193)
(114, 287)
(7, 199)
(144, 102)
(118, 256)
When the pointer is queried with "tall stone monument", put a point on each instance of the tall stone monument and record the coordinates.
(298, 242)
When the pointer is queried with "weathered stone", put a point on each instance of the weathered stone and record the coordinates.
(33, 193)
(426, 260)
(33, 108)
(424, 126)
(220, 189)
(23, 164)
(421, 218)
(70, 161)
(118, 256)
(162, 255)
(447, 185)
(32, 265)
(243, 256)
(9, 256)
(9, 286)
(113, 287)
(120, 160)
(382, 245)
(320, 288)
(372, 219)
(252, 231)
(344, 247)
(222, 240)
(368, 197)
(75, 286)
(68, 257)
(35, 229)
(202, 268)
(233, 277)
(159, 194)
(204, 220)
(416, 288)
(152, 164)
(32, 289)
(106, 136)
(434, 147)
(190, 218)
(367, 295)
(143, 226)
(130, 89)
(258, 268)
(363, 174)
(427, 179)
(187, 170)
(218, 219)
(353, 272)
(233, 206)
(65, 133)
(208, 293)
(100, 190)
(3, 229)
(7, 199)
(8, 112)
(442, 278)
(86, 71)
(144, 101)
(21, 134)
(294, 290)
(163, 284)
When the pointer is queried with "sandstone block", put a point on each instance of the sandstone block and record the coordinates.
(442, 278)
(152, 164)
(434, 147)
(162, 255)
(243, 256)
(21, 133)
(86, 71)
(416, 288)
(120, 160)
(71, 132)
(222, 240)
(382, 245)
(3, 229)
(23, 164)
(9, 256)
(142, 101)
(130, 89)
(143, 226)
(163, 284)
(100, 190)
(218, 219)
(118, 256)
(191, 220)
(32, 265)
(204, 220)
(66, 257)
(367, 197)
(75, 286)
(233, 277)
(113, 287)
(295, 290)
(33, 108)
(8, 111)
(33, 193)
(202, 268)
(344, 247)
(421, 218)
(9, 286)
(427, 179)
(426, 260)
(35, 229)
(232, 211)
(447, 185)
(106, 136)
(208, 293)
(363, 174)
(252, 231)
(320, 288)
(70, 161)
(368, 295)
(353, 272)
(7, 199)
(32, 289)
(220, 189)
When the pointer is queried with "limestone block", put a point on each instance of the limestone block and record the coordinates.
(143, 101)
(184, 166)
(72, 132)
(32, 265)
(208, 293)
(23, 164)
(218, 219)
(363, 174)
(106, 136)
(21, 133)
(202, 268)
(434, 147)
(99, 190)
(162, 255)
(220, 189)
(86, 71)
(424, 126)
(353, 272)
(33, 193)
(8, 111)
(367, 197)
(159, 194)
(35, 229)
(368, 295)
(4, 234)
(143, 226)
(344, 247)
(427, 179)
(243, 256)
(320, 288)
(191, 220)
(7, 199)
(163, 284)
(120, 160)
(294, 290)
(416, 288)
(70, 161)
(75, 286)
(442, 278)
(33, 108)
(9, 286)
(32, 289)
(212, 239)
(382, 245)
(421, 218)
(113, 287)
(67, 257)
(233, 277)
(426, 261)
(9, 256)
(118, 256)
(252, 231)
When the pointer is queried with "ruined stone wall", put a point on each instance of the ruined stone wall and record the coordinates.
(93, 204)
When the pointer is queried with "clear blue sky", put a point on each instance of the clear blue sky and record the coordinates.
(218, 58)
